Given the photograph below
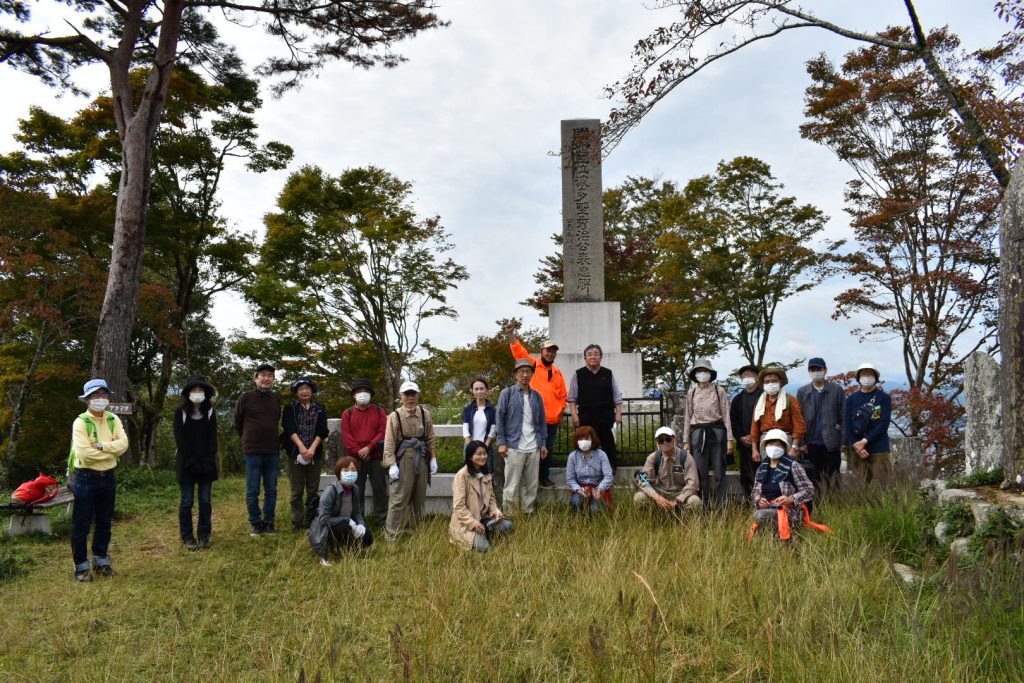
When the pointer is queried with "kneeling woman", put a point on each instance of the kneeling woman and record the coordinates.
(588, 473)
(476, 520)
(339, 524)
(781, 487)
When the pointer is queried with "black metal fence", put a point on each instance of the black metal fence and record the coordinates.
(634, 440)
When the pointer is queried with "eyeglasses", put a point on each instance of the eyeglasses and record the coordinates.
(664, 439)
(410, 393)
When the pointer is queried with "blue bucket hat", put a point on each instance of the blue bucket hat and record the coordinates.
(91, 386)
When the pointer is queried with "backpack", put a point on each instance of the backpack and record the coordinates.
(91, 432)
(39, 490)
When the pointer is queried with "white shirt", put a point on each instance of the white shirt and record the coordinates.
(528, 441)
(478, 430)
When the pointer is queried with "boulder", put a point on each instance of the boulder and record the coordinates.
(959, 547)
(942, 533)
(906, 573)
(954, 495)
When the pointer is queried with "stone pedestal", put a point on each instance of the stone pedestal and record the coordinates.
(30, 524)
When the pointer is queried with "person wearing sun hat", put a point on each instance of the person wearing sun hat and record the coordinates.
(98, 439)
(707, 430)
(410, 456)
(549, 382)
(303, 432)
(741, 414)
(195, 459)
(776, 410)
(781, 485)
(362, 431)
(866, 426)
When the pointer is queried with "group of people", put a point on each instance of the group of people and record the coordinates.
(786, 445)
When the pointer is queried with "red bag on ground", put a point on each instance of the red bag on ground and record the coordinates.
(39, 490)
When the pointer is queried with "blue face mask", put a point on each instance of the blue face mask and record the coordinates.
(349, 478)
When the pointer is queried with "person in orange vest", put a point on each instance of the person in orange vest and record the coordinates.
(549, 382)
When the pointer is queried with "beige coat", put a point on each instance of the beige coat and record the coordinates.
(469, 496)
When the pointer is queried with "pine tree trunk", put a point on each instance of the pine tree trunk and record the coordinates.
(1011, 327)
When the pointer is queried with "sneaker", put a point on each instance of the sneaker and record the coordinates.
(547, 484)
(269, 529)
(105, 570)
(84, 576)
(324, 562)
(204, 543)
(191, 544)
(256, 530)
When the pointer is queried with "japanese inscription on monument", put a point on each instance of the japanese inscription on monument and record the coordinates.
(582, 218)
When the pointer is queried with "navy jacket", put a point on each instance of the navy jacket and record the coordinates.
(867, 417)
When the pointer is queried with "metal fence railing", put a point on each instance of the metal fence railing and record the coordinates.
(634, 441)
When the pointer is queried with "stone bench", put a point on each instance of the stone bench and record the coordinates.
(31, 518)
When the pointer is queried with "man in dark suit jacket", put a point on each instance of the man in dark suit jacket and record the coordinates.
(823, 404)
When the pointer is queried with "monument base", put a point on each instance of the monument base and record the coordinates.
(574, 326)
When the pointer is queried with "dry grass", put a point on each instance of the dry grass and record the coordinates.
(623, 598)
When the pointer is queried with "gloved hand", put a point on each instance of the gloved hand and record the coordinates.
(359, 531)
(352, 525)
(433, 465)
(393, 472)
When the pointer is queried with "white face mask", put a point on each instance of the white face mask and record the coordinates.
(197, 396)
(702, 376)
(584, 444)
(817, 375)
(99, 404)
(772, 388)
(349, 477)
(748, 381)
(774, 452)
(363, 397)
(867, 381)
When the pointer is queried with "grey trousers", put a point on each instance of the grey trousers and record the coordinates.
(303, 479)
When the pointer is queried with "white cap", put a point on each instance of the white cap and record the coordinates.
(775, 435)
(409, 385)
(664, 431)
(870, 367)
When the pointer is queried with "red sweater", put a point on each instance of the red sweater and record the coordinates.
(361, 428)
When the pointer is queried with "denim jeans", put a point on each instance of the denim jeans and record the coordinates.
(578, 503)
(94, 501)
(549, 442)
(261, 466)
(188, 490)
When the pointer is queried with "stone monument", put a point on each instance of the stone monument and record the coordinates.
(983, 437)
(585, 317)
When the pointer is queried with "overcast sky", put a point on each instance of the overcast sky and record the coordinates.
(470, 119)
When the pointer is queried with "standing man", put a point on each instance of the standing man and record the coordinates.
(304, 428)
(595, 400)
(362, 430)
(823, 405)
(257, 414)
(521, 432)
(409, 456)
(550, 384)
(741, 414)
(868, 414)
(97, 441)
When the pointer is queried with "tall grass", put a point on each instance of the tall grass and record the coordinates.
(626, 597)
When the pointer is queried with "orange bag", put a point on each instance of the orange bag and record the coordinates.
(39, 490)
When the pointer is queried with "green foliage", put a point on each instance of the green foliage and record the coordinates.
(992, 477)
(958, 517)
(12, 561)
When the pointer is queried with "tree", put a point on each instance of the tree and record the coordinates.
(673, 54)
(924, 205)
(125, 35)
(346, 259)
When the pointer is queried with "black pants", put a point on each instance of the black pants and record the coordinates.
(601, 420)
(825, 470)
(341, 538)
(707, 446)
(747, 468)
(374, 471)
(545, 463)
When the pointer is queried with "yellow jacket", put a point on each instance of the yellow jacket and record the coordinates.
(114, 443)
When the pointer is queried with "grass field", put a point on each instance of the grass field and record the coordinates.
(628, 597)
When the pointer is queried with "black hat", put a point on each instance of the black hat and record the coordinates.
(748, 368)
(264, 366)
(198, 381)
(305, 379)
(361, 383)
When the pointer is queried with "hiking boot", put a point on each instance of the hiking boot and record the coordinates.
(547, 484)
(84, 576)
(269, 529)
(191, 544)
(204, 543)
(105, 570)
(256, 530)
(324, 562)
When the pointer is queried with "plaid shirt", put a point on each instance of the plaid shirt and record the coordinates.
(797, 486)
(595, 470)
(305, 421)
